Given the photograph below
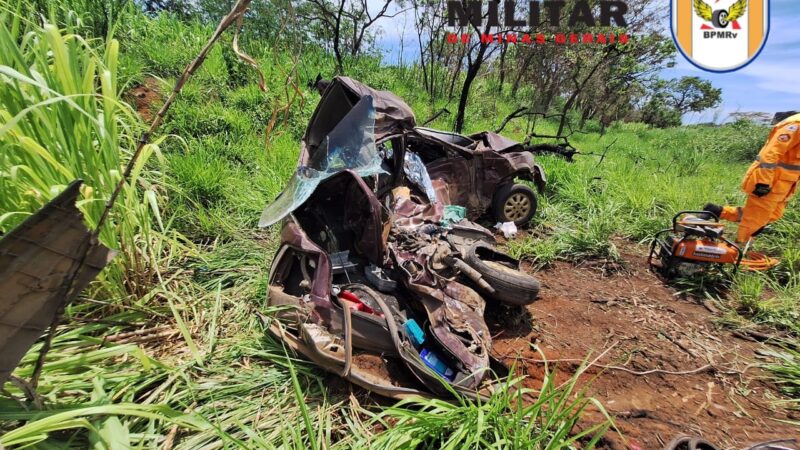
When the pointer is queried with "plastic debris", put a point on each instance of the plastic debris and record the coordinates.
(433, 361)
(377, 277)
(415, 333)
(453, 214)
(355, 303)
(509, 229)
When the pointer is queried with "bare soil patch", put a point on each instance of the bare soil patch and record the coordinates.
(146, 99)
(670, 370)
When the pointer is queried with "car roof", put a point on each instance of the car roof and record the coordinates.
(446, 136)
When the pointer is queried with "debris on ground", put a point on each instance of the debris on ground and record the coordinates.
(45, 263)
(508, 229)
(453, 214)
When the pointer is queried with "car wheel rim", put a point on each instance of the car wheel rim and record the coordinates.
(517, 207)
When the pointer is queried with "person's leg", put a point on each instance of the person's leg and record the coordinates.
(781, 208)
(756, 214)
(777, 213)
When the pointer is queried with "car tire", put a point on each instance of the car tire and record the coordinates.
(720, 19)
(514, 203)
(511, 286)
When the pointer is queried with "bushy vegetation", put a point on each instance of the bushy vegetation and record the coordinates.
(63, 120)
(193, 265)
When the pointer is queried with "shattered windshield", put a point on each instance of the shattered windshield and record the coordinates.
(350, 145)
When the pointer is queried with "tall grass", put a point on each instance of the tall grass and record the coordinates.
(514, 417)
(61, 120)
(111, 395)
(785, 369)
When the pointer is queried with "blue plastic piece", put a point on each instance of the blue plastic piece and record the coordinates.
(414, 332)
(434, 362)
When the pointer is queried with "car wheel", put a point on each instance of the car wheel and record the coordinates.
(720, 19)
(514, 203)
(511, 286)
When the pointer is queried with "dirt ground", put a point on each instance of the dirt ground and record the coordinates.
(660, 364)
(146, 98)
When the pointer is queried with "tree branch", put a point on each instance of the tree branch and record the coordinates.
(442, 111)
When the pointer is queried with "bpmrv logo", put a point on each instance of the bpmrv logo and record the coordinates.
(720, 35)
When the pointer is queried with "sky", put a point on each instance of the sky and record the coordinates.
(769, 84)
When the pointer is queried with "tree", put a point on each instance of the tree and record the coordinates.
(346, 23)
(599, 81)
(669, 100)
(479, 51)
(615, 92)
(659, 113)
(693, 94)
(265, 20)
(429, 23)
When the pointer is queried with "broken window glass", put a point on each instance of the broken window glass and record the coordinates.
(417, 173)
(349, 146)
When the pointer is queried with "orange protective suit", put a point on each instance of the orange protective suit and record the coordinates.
(778, 167)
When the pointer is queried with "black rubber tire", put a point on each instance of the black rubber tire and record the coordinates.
(511, 285)
(720, 19)
(506, 192)
(689, 443)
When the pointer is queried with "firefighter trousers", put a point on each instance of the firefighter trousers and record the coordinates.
(759, 212)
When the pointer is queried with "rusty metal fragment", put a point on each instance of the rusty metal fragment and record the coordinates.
(44, 264)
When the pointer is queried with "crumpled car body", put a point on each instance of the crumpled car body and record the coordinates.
(466, 170)
(372, 280)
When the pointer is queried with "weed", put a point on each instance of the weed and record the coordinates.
(786, 371)
(61, 120)
(202, 176)
(749, 289)
(509, 419)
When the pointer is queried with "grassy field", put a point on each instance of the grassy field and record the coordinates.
(193, 264)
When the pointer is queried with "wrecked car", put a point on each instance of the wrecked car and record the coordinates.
(479, 171)
(381, 276)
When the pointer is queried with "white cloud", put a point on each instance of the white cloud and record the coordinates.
(774, 79)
